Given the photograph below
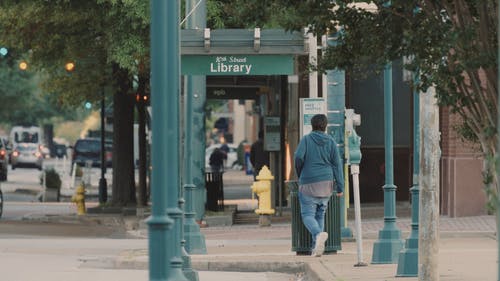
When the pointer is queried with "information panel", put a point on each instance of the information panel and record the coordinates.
(308, 108)
(272, 133)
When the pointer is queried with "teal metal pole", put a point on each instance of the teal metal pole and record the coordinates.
(194, 89)
(195, 100)
(336, 128)
(164, 239)
(160, 252)
(336, 111)
(386, 249)
(187, 268)
(172, 172)
(408, 257)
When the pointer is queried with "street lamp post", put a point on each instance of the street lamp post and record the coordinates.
(408, 257)
(194, 86)
(165, 261)
(389, 243)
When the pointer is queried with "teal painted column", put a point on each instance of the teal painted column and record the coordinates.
(199, 144)
(194, 85)
(187, 268)
(386, 249)
(408, 257)
(336, 125)
(196, 94)
(164, 240)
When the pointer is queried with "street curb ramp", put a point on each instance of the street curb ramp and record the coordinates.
(253, 266)
(307, 271)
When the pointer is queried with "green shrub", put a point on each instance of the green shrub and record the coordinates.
(79, 171)
(52, 179)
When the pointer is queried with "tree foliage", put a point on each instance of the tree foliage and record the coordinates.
(22, 103)
(108, 40)
(452, 45)
(244, 14)
(92, 34)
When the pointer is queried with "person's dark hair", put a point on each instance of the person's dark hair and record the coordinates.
(319, 122)
(261, 134)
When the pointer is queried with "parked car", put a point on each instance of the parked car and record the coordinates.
(27, 155)
(44, 150)
(60, 150)
(232, 155)
(4, 160)
(89, 149)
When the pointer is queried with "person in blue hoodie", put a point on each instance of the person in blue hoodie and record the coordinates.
(320, 172)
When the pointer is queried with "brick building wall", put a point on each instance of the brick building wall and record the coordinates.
(462, 190)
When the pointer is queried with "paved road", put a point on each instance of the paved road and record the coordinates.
(82, 252)
(30, 178)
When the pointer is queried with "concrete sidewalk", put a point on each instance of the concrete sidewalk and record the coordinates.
(468, 251)
(468, 248)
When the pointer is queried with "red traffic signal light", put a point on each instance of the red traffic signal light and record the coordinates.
(141, 98)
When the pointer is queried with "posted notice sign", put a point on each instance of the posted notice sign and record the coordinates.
(272, 133)
(308, 108)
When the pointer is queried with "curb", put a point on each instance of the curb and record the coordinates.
(128, 223)
(245, 266)
(316, 271)
(312, 271)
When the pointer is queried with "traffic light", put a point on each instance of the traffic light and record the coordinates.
(3, 51)
(23, 65)
(69, 66)
(14, 58)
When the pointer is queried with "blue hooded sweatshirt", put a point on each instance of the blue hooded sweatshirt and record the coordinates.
(317, 159)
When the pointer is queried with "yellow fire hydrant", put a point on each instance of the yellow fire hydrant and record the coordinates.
(262, 187)
(79, 199)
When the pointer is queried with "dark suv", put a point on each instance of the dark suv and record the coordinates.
(90, 149)
(4, 160)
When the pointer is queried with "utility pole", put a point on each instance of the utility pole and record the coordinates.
(429, 188)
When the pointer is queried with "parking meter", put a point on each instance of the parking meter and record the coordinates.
(353, 159)
(353, 140)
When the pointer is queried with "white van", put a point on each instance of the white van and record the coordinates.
(26, 134)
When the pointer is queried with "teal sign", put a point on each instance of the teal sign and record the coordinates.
(237, 65)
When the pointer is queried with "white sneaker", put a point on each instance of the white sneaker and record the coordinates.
(319, 248)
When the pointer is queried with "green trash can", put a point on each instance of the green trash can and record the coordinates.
(301, 238)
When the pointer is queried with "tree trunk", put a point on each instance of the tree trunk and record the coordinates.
(429, 188)
(141, 188)
(123, 141)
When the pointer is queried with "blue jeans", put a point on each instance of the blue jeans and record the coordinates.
(313, 210)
